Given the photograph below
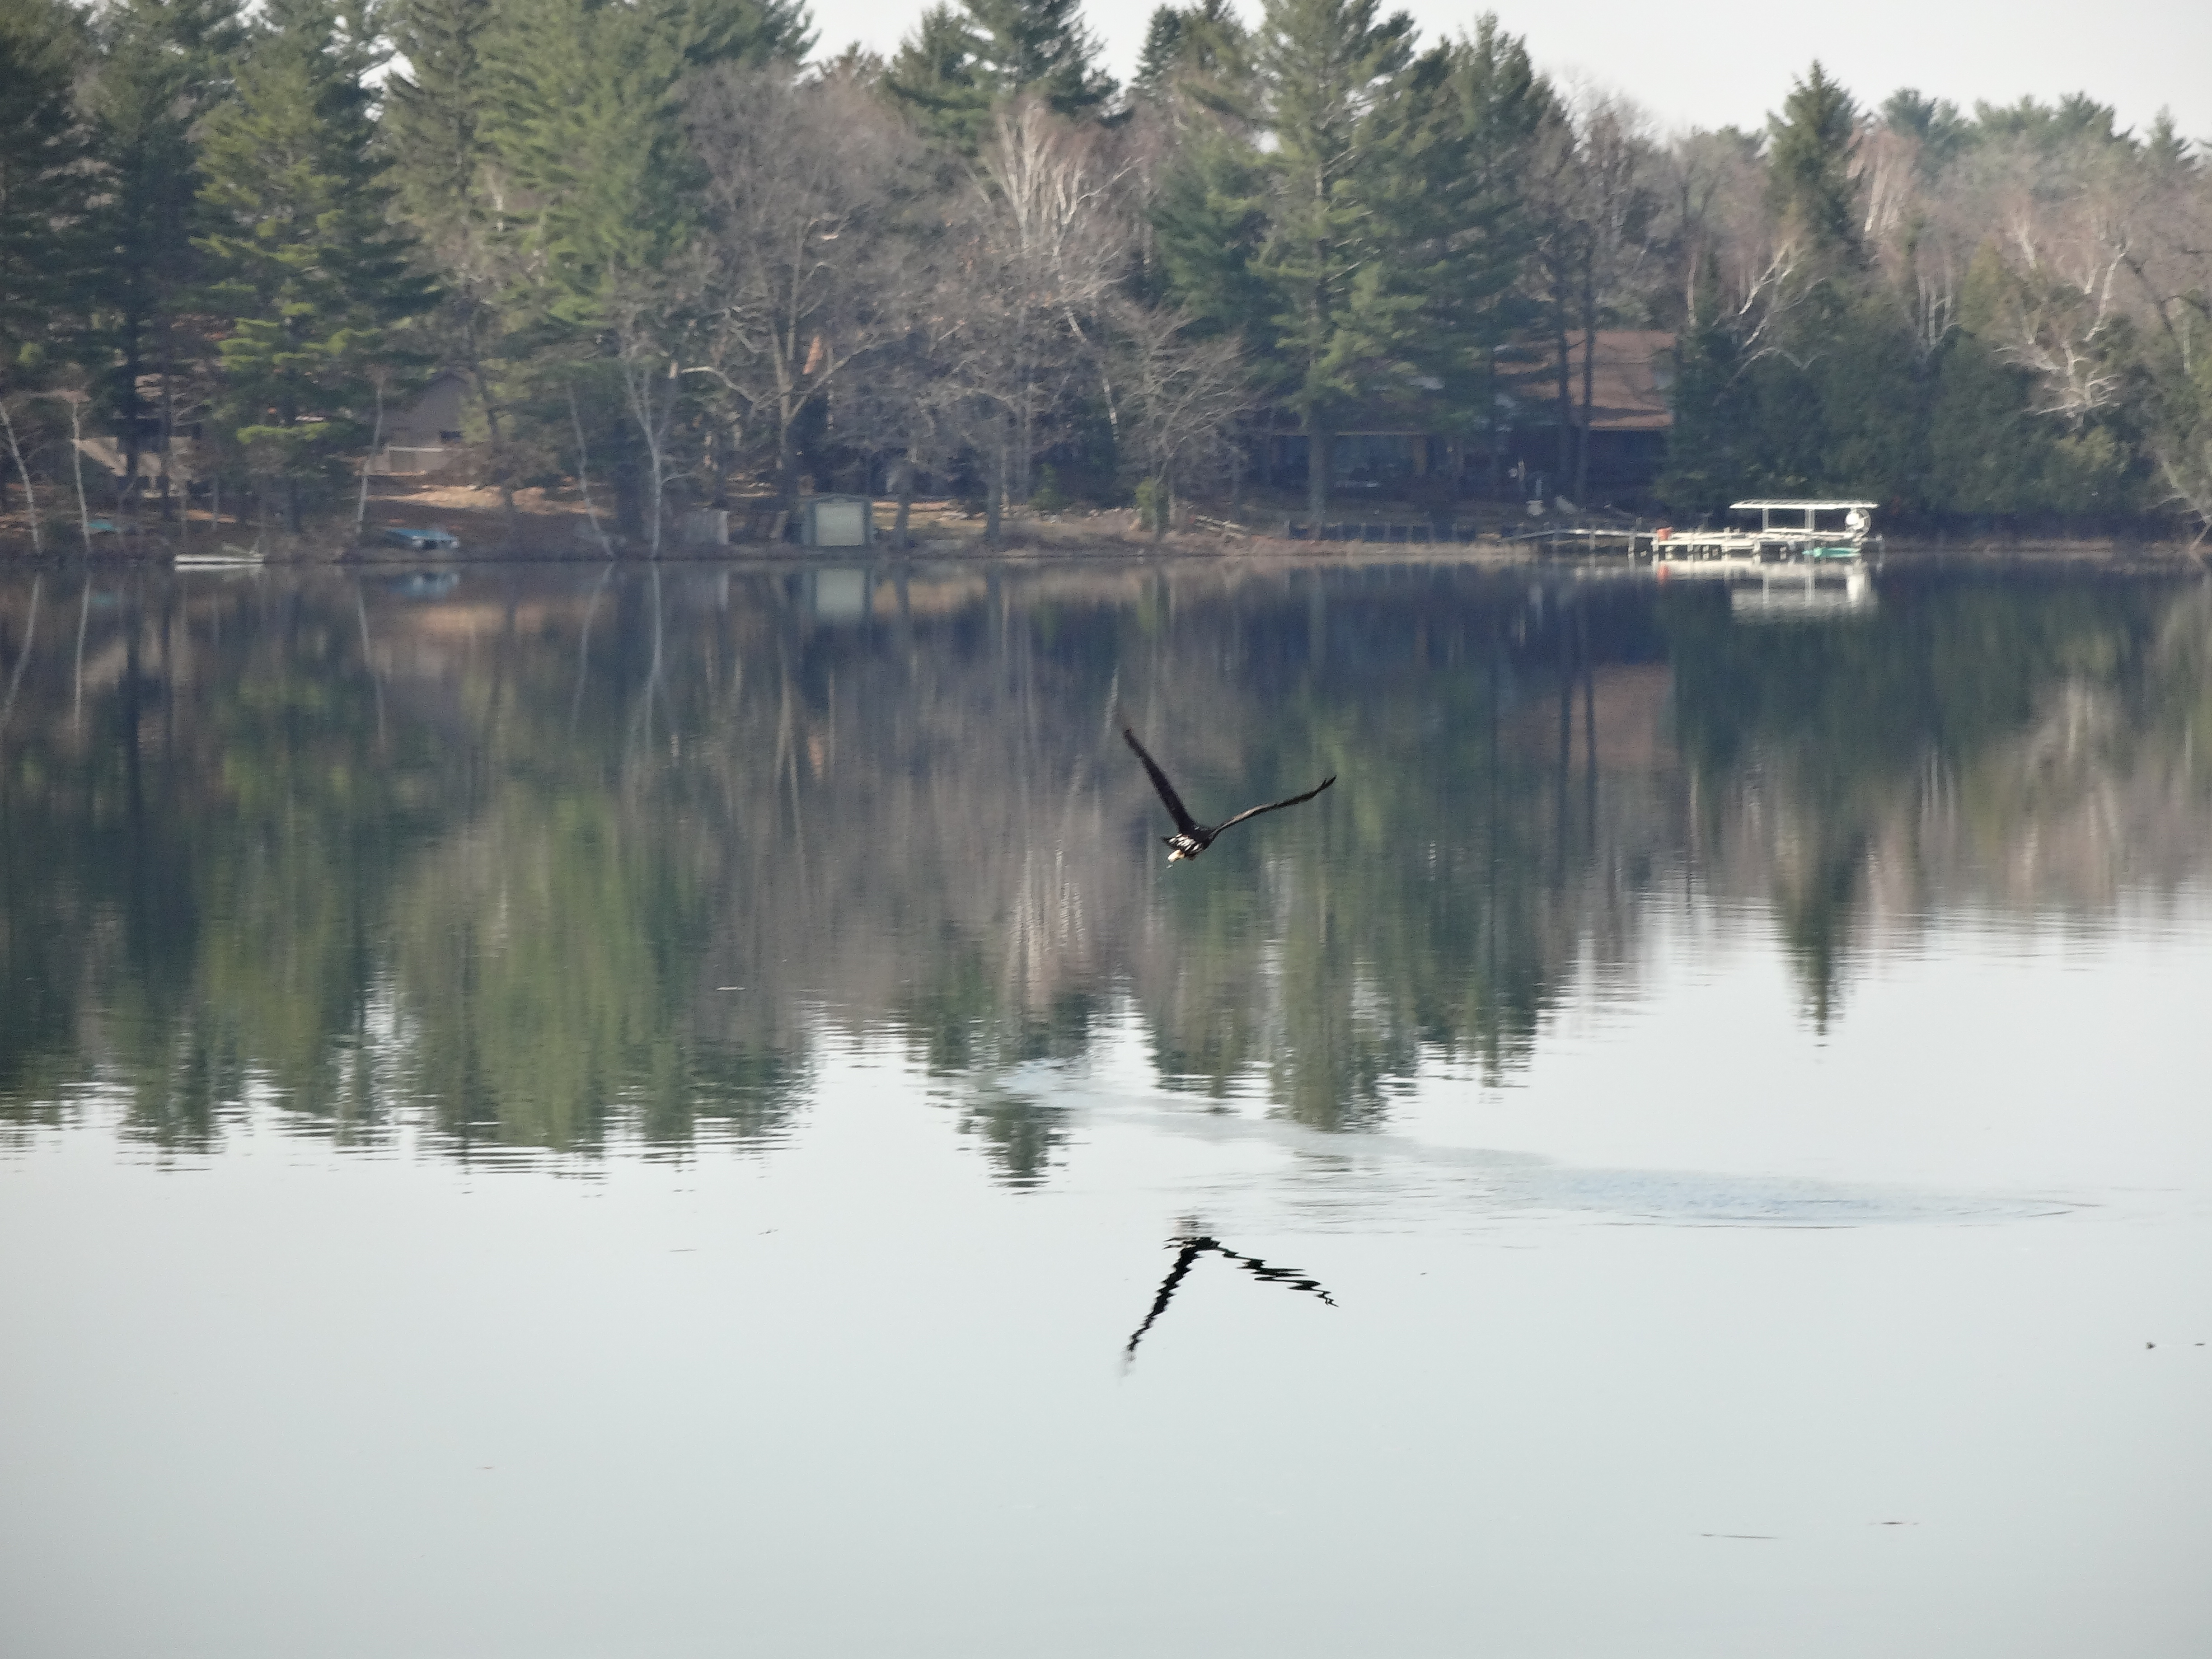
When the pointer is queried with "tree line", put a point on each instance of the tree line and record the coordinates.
(676, 257)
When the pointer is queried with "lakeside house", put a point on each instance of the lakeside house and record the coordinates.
(1630, 411)
(1529, 447)
(419, 438)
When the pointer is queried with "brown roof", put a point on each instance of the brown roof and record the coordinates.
(1631, 382)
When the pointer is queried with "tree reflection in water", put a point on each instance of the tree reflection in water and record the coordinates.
(480, 857)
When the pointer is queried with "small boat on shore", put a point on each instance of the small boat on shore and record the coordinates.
(431, 538)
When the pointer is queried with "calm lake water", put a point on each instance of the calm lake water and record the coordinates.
(556, 1112)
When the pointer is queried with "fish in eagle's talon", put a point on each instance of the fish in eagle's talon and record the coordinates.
(1191, 837)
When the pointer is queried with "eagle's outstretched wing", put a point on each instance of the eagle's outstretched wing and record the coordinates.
(1277, 805)
(1177, 810)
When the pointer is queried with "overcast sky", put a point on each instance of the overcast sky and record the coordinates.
(1713, 62)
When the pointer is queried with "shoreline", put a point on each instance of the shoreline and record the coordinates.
(2048, 561)
(1104, 537)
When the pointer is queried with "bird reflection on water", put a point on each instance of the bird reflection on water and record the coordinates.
(1189, 1248)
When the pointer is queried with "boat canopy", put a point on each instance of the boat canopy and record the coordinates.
(1760, 506)
(1808, 518)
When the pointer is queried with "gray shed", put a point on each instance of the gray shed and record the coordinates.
(836, 521)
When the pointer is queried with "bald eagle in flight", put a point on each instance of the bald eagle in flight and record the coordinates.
(1191, 837)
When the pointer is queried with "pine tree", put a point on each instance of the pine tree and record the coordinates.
(308, 270)
(602, 199)
(46, 187)
(1705, 465)
(1871, 390)
(1210, 220)
(434, 113)
(586, 130)
(594, 183)
(1502, 108)
(164, 65)
(937, 75)
(2179, 434)
(957, 64)
(1984, 453)
(435, 131)
(1455, 239)
(755, 32)
(588, 141)
(1809, 164)
(1162, 52)
(1197, 55)
(2075, 119)
(1341, 312)
(1934, 124)
(1041, 47)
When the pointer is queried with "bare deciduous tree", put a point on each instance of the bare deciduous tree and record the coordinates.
(807, 182)
(1043, 238)
(1178, 398)
(652, 324)
(1595, 222)
(2064, 218)
(1618, 208)
(906, 408)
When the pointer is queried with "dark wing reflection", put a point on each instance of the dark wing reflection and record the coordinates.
(1189, 1248)
(1296, 1278)
(1186, 1259)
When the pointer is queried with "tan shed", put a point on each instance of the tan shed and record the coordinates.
(836, 521)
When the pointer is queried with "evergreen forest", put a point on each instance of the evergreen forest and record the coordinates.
(676, 255)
